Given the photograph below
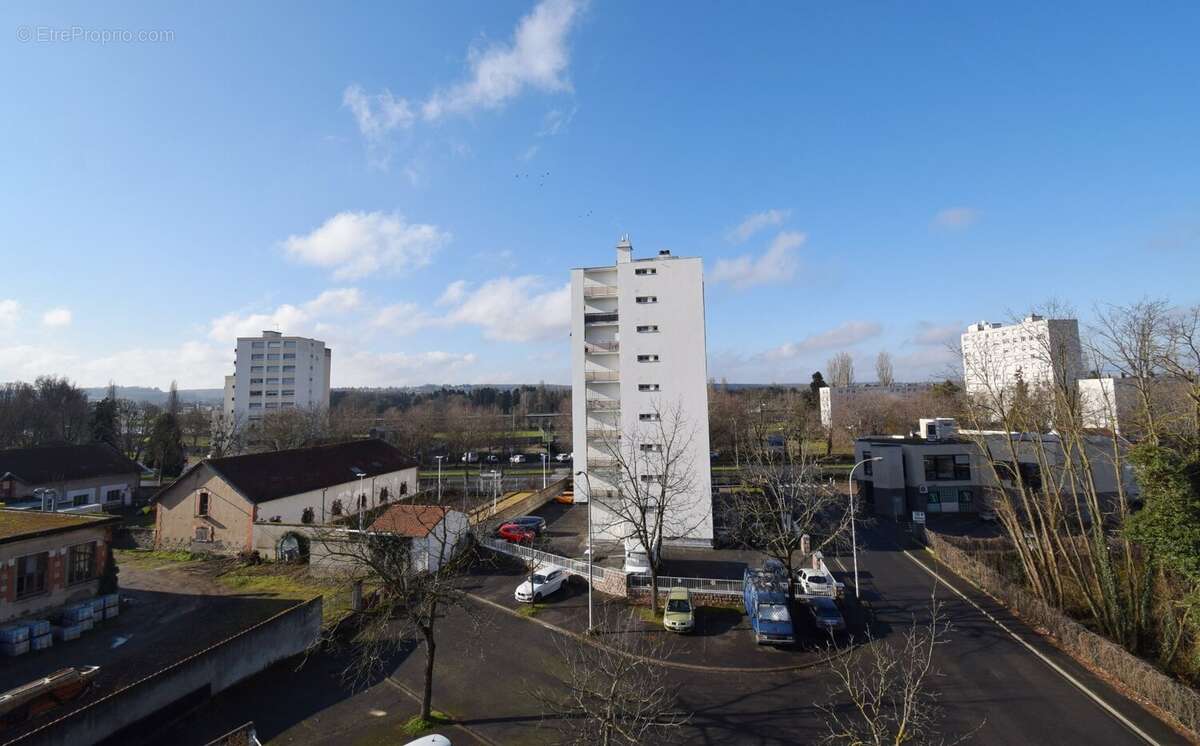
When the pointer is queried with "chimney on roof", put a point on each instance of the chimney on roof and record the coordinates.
(624, 250)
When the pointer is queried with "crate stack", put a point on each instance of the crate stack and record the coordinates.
(14, 640)
(112, 605)
(39, 634)
(69, 623)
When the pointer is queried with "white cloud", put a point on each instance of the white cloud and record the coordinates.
(530, 152)
(778, 264)
(302, 320)
(537, 58)
(956, 218)
(755, 223)
(556, 121)
(401, 369)
(454, 293)
(192, 365)
(929, 333)
(377, 116)
(355, 244)
(10, 311)
(57, 317)
(844, 335)
(336, 300)
(514, 309)
(402, 318)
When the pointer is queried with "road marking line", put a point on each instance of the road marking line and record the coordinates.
(1076, 682)
(838, 560)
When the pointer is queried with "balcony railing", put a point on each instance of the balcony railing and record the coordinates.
(603, 433)
(599, 291)
(604, 405)
(601, 348)
(600, 318)
(603, 494)
(601, 376)
(601, 462)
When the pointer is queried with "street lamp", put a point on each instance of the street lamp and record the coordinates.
(590, 556)
(360, 503)
(439, 460)
(545, 460)
(853, 508)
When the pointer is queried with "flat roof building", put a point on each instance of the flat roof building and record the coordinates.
(273, 373)
(1037, 351)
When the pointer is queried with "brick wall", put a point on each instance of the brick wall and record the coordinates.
(723, 600)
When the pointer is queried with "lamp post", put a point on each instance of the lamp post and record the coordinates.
(545, 460)
(358, 499)
(590, 556)
(853, 510)
(439, 460)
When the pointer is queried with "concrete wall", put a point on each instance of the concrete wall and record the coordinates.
(58, 593)
(398, 484)
(208, 671)
(522, 507)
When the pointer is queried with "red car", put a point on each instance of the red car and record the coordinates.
(513, 532)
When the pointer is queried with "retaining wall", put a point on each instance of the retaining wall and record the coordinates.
(1087, 647)
(699, 598)
(134, 538)
(197, 677)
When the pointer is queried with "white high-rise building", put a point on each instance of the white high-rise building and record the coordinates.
(274, 372)
(1038, 351)
(637, 352)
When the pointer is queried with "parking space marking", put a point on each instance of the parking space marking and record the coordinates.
(1058, 669)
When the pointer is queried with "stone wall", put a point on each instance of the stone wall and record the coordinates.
(131, 537)
(723, 600)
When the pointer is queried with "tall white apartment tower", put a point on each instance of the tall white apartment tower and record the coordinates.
(1037, 350)
(274, 372)
(637, 349)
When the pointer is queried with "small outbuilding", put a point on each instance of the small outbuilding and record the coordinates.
(435, 531)
(70, 476)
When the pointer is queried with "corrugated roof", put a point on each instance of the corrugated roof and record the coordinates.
(49, 464)
(23, 524)
(261, 477)
(410, 520)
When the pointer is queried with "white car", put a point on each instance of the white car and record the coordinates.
(516, 459)
(539, 586)
(563, 457)
(815, 583)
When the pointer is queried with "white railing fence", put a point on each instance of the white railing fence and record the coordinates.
(538, 557)
(700, 585)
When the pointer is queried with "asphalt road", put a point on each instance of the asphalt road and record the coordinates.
(985, 675)
(989, 683)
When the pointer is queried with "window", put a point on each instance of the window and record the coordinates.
(272, 405)
(404, 488)
(306, 516)
(255, 405)
(271, 381)
(288, 392)
(81, 563)
(272, 368)
(202, 504)
(289, 369)
(289, 345)
(203, 533)
(286, 405)
(383, 494)
(647, 358)
(289, 382)
(31, 574)
(256, 392)
(113, 495)
(648, 329)
(272, 356)
(645, 271)
(257, 345)
(289, 356)
(80, 500)
(649, 417)
(948, 468)
(647, 299)
(270, 392)
(964, 499)
(867, 470)
(273, 345)
(651, 477)
(256, 369)
(257, 356)
(649, 387)
(650, 447)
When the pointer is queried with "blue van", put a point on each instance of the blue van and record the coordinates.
(765, 596)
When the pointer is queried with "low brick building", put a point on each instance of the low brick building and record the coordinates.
(89, 474)
(49, 560)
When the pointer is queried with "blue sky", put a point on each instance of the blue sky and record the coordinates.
(411, 182)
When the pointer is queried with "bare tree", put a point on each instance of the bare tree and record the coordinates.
(841, 369)
(883, 369)
(195, 424)
(614, 692)
(1133, 340)
(646, 480)
(1181, 360)
(884, 692)
(417, 582)
(788, 499)
(290, 428)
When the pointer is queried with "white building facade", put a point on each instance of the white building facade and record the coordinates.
(1037, 350)
(637, 352)
(274, 372)
(834, 400)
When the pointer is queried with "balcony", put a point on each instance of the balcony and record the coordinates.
(601, 376)
(602, 348)
(599, 291)
(601, 462)
(604, 494)
(603, 433)
(598, 319)
(604, 405)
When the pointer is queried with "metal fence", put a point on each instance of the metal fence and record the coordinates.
(700, 585)
(538, 557)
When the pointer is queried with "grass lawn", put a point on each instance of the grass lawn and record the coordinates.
(278, 580)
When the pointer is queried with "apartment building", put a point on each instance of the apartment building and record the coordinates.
(638, 354)
(274, 372)
(835, 401)
(1037, 351)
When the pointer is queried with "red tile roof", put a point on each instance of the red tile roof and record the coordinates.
(410, 520)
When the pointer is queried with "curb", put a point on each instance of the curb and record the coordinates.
(658, 661)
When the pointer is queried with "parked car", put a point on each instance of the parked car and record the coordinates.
(764, 596)
(470, 457)
(637, 560)
(988, 515)
(512, 532)
(534, 523)
(826, 614)
(679, 616)
(492, 458)
(815, 582)
(563, 457)
(539, 585)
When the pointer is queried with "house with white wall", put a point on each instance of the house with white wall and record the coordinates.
(70, 476)
(216, 504)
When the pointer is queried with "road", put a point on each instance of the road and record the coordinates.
(989, 683)
(986, 675)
